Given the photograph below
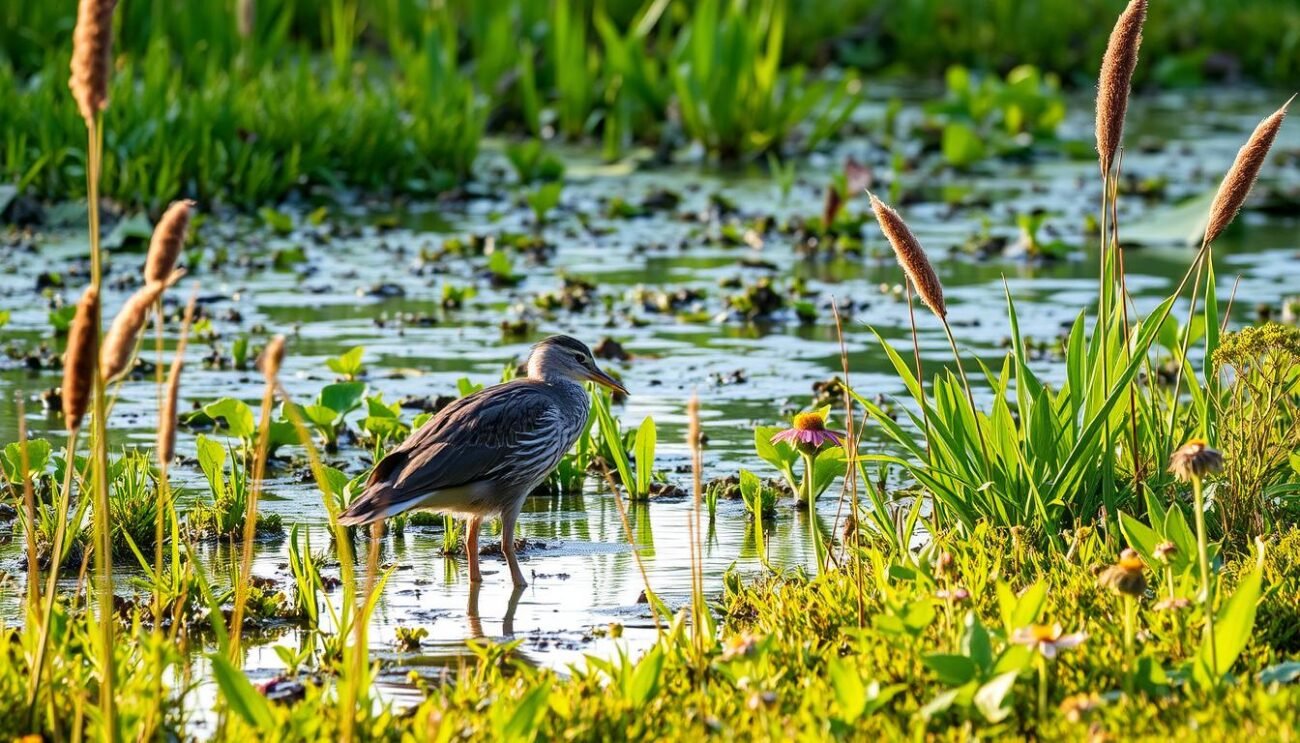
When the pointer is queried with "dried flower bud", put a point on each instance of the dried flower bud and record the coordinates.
(92, 57)
(1195, 459)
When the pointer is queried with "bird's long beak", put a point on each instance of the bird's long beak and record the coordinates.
(600, 377)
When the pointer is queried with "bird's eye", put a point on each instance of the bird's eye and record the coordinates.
(580, 358)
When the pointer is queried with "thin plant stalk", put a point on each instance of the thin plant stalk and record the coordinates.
(29, 506)
(631, 541)
(851, 451)
(916, 356)
(99, 445)
(698, 605)
(1130, 632)
(1207, 588)
(250, 518)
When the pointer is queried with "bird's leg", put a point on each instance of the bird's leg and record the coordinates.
(508, 545)
(471, 550)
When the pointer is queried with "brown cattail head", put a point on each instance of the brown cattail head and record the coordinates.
(166, 448)
(92, 56)
(167, 241)
(911, 257)
(271, 358)
(79, 359)
(119, 343)
(1241, 176)
(1116, 78)
(167, 414)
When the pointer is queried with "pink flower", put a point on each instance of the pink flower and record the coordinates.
(809, 432)
(1047, 639)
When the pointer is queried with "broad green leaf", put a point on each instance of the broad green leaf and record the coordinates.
(951, 669)
(236, 414)
(849, 691)
(342, 397)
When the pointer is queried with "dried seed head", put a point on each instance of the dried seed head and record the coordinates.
(271, 359)
(1116, 78)
(1128, 576)
(166, 448)
(1195, 460)
(1241, 176)
(167, 241)
(167, 414)
(79, 359)
(911, 257)
(119, 344)
(92, 56)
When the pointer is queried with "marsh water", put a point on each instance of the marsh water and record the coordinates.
(365, 276)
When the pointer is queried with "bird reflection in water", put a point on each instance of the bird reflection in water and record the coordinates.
(507, 621)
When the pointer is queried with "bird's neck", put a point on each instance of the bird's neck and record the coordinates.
(557, 380)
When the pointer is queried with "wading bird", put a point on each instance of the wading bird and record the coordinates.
(484, 453)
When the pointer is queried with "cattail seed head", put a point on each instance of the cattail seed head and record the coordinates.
(1116, 78)
(166, 448)
(911, 257)
(167, 414)
(79, 359)
(119, 343)
(167, 241)
(92, 56)
(1240, 178)
(271, 359)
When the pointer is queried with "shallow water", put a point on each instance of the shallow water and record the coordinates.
(584, 575)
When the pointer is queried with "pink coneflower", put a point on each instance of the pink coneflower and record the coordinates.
(809, 434)
(1047, 638)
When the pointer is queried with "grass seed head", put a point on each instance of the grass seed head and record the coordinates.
(167, 241)
(1116, 79)
(79, 359)
(1240, 178)
(92, 57)
(119, 343)
(911, 257)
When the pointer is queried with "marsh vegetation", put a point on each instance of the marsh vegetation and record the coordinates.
(963, 405)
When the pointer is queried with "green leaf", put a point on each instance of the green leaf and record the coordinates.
(1232, 628)
(521, 724)
(240, 696)
(347, 364)
(212, 460)
(645, 456)
(962, 145)
(952, 670)
(991, 699)
(342, 397)
(38, 458)
(1029, 606)
(976, 643)
(236, 414)
(645, 679)
(850, 693)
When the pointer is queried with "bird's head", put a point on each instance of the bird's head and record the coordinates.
(563, 357)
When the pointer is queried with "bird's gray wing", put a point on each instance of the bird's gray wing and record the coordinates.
(466, 442)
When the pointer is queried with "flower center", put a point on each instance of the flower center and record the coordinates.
(1131, 564)
(809, 422)
(1043, 632)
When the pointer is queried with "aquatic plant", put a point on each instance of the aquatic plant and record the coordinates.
(635, 468)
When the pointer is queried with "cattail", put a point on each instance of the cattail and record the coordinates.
(1116, 78)
(167, 241)
(166, 449)
(119, 343)
(92, 56)
(271, 358)
(1241, 176)
(911, 257)
(79, 359)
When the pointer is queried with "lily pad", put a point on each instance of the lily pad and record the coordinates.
(1178, 225)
